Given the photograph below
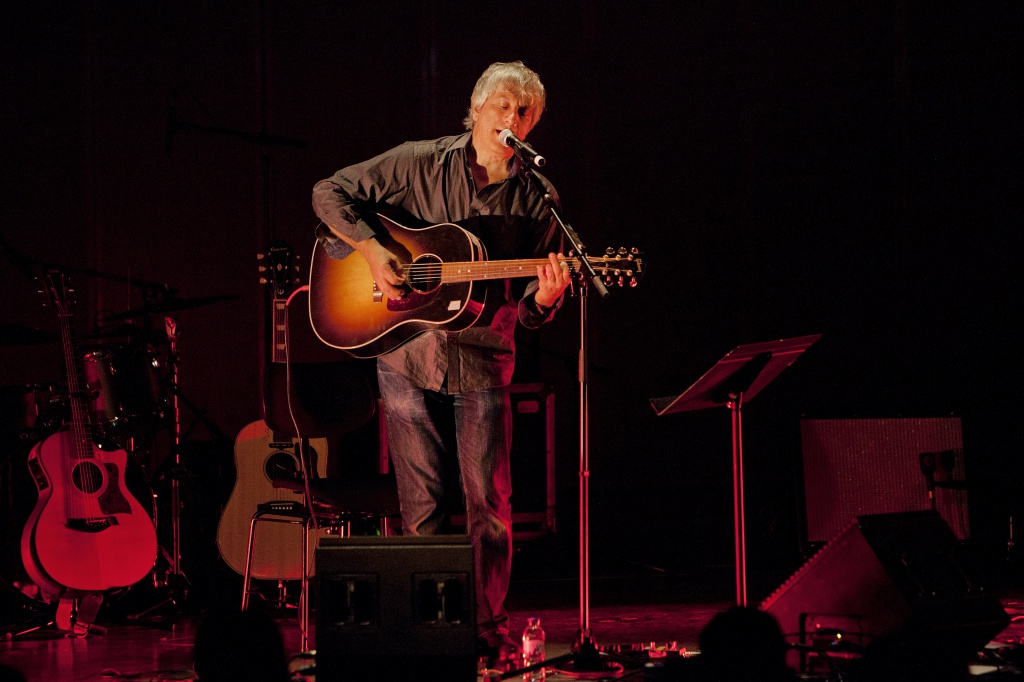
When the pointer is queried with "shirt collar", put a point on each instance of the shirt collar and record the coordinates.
(462, 143)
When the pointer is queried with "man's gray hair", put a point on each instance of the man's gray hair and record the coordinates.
(515, 77)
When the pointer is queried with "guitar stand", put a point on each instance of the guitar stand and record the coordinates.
(76, 614)
(73, 615)
(41, 619)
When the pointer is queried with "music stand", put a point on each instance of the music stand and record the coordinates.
(733, 381)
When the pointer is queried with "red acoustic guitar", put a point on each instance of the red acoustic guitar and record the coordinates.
(86, 532)
(442, 263)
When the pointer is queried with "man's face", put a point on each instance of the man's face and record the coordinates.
(500, 111)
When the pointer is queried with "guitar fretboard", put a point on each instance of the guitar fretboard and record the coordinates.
(279, 353)
(469, 271)
(81, 424)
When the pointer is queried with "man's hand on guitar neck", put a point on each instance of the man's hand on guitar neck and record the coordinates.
(554, 277)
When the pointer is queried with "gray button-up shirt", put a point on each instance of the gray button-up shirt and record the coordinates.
(429, 182)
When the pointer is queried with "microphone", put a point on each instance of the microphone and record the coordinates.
(524, 151)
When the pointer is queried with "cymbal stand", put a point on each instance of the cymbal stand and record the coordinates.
(175, 581)
(171, 325)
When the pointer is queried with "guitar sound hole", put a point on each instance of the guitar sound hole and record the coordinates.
(425, 274)
(282, 466)
(87, 477)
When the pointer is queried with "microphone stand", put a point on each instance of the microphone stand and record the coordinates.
(584, 656)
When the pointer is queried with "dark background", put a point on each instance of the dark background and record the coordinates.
(848, 169)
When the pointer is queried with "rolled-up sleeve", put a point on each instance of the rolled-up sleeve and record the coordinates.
(347, 200)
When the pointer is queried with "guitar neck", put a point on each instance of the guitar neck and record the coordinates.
(278, 351)
(469, 271)
(80, 420)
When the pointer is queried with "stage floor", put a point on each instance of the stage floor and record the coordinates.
(638, 613)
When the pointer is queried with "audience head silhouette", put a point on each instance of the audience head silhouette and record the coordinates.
(743, 643)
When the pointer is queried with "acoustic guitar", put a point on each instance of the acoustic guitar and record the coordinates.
(86, 532)
(442, 263)
(263, 456)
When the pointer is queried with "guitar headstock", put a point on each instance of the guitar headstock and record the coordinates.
(277, 269)
(57, 287)
(619, 267)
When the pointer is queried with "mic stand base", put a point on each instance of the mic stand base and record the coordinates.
(586, 661)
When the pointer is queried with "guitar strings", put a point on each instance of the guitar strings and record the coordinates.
(419, 273)
(75, 506)
(423, 272)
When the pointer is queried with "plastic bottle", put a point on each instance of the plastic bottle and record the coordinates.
(533, 649)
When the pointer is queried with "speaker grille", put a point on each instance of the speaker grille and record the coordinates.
(872, 466)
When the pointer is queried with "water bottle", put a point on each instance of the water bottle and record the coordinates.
(533, 649)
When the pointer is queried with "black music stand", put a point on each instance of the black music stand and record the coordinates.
(733, 381)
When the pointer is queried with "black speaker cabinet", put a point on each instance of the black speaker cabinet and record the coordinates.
(395, 608)
(883, 573)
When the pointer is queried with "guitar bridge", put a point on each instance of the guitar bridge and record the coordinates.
(92, 525)
(378, 295)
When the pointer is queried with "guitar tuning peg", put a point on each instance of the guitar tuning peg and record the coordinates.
(263, 280)
(610, 251)
(632, 282)
(262, 268)
(621, 280)
(623, 251)
(260, 256)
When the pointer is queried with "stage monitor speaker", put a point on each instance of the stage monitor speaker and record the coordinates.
(888, 572)
(390, 608)
(873, 466)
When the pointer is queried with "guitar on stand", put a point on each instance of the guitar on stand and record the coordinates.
(263, 456)
(87, 533)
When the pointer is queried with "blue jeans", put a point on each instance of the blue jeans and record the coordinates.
(428, 433)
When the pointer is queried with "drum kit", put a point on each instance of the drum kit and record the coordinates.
(127, 371)
(129, 375)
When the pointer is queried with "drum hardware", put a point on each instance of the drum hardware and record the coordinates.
(175, 583)
(125, 388)
(31, 411)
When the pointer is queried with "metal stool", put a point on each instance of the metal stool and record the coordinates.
(295, 513)
(290, 512)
